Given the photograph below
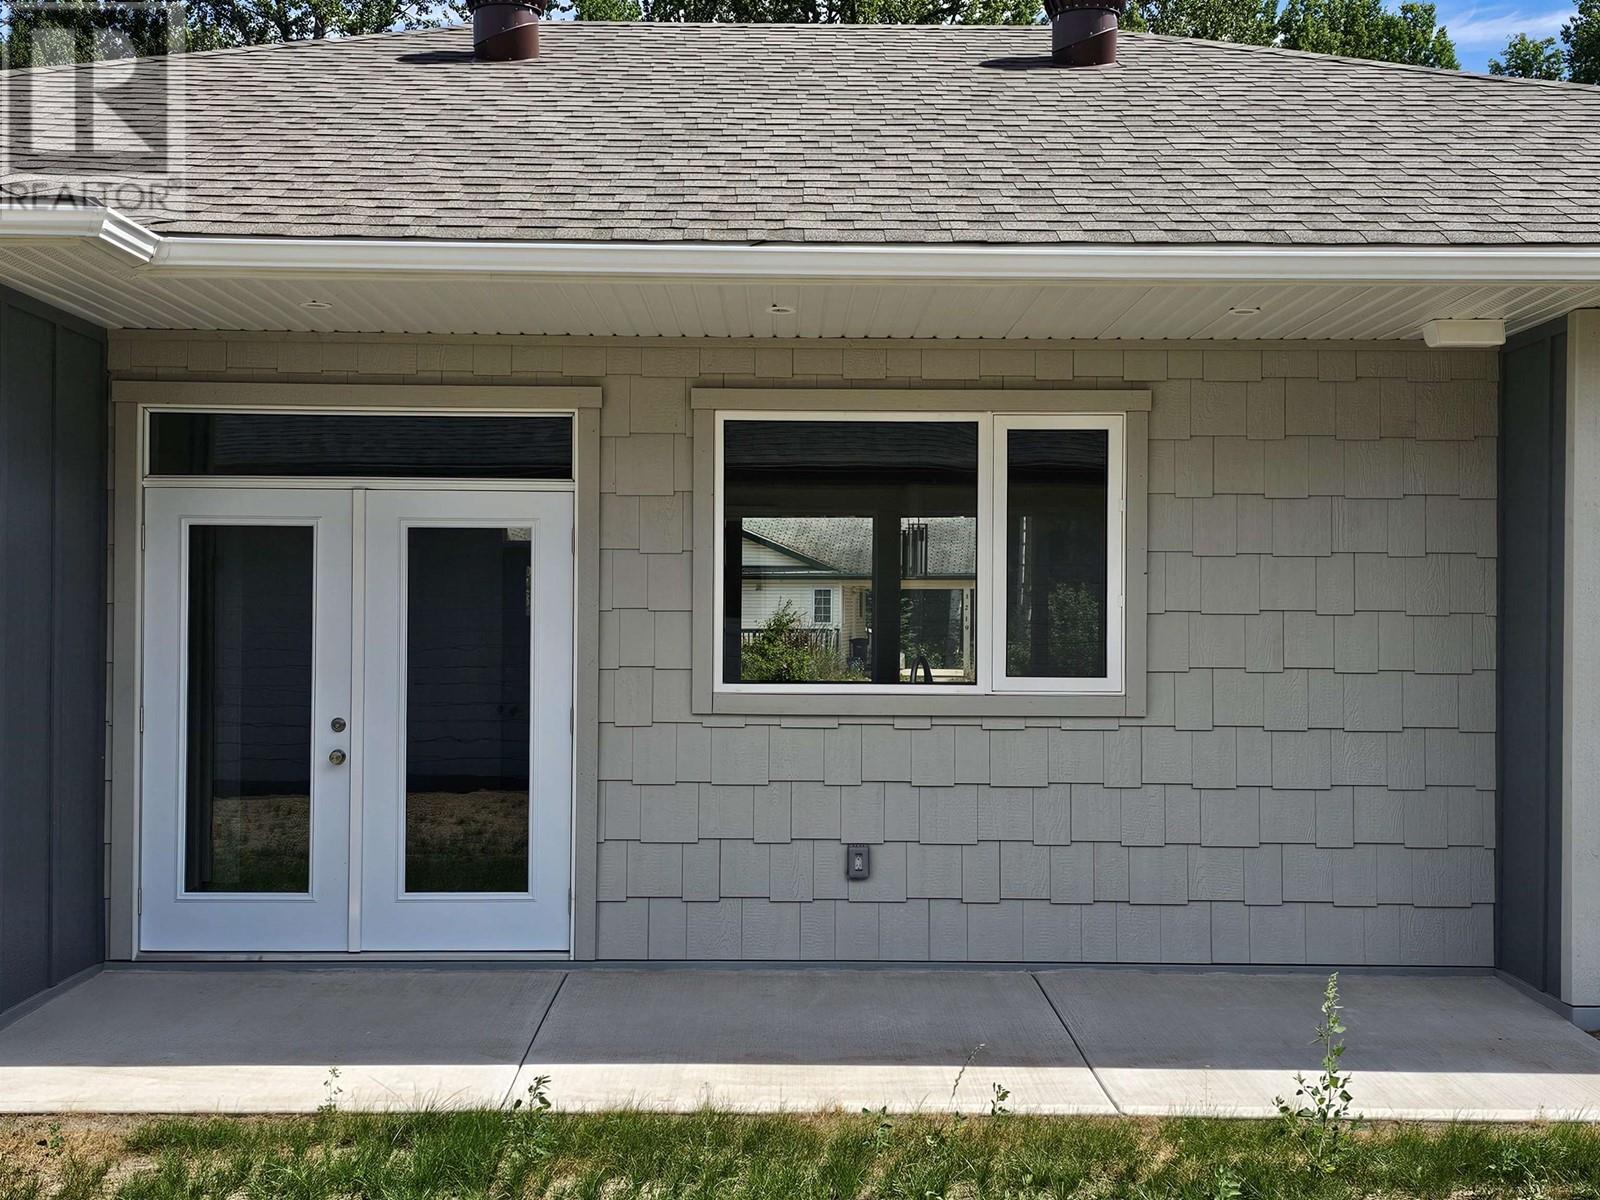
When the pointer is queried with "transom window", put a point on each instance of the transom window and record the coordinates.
(973, 552)
(359, 445)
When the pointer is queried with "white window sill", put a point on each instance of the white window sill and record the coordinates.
(886, 705)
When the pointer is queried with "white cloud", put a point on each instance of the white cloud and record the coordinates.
(1494, 27)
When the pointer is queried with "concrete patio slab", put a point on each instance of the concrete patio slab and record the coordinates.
(262, 1039)
(1419, 1047)
(809, 1039)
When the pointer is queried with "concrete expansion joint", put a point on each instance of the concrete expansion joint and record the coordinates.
(1088, 1062)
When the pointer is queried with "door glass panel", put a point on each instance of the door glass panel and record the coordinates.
(1056, 495)
(248, 749)
(468, 628)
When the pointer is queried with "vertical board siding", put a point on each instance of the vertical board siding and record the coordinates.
(1532, 532)
(1313, 780)
(52, 679)
(27, 371)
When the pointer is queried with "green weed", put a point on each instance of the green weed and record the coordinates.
(531, 1150)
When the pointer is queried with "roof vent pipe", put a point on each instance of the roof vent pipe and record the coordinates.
(504, 30)
(1083, 33)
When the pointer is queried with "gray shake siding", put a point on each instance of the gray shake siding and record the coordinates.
(1313, 778)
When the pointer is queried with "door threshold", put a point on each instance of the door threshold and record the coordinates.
(354, 958)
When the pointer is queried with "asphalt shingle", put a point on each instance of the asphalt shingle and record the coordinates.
(886, 134)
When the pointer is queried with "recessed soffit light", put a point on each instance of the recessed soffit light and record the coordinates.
(316, 304)
(781, 310)
(1245, 310)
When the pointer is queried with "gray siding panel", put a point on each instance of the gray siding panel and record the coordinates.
(52, 646)
(1532, 530)
(26, 371)
(78, 677)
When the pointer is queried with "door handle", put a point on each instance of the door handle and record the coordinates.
(336, 757)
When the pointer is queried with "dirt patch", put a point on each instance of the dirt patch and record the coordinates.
(44, 1148)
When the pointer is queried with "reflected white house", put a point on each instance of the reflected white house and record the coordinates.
(821, 567)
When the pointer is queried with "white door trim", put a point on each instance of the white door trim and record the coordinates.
(358, 658)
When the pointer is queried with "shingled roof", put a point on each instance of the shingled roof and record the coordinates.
(878, 134)
(842, 546)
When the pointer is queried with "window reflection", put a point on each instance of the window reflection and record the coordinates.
(248, 745)
(850, 552)
(938, 590)
(802, 615)
(1056, 496)
(468, 664)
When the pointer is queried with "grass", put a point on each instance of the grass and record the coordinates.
(615, 1156)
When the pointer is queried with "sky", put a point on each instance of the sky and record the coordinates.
(1480, 31)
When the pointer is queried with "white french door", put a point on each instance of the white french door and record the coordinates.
(356, 720)
(247, 644)
(466, 757)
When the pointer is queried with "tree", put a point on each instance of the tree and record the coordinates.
(217, 23)
(79, 31)
(1365, 29)
(785, 651)
(814, 12)
(1418, 38)
(1421, 40)
(1525, 58)
(1253, 22)
(100, 29)
(1581, 36)
(1356, 28)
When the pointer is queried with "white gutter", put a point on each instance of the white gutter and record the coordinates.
(301, 258)
(103, 225)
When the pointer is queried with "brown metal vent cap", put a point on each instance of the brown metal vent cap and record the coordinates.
(504, 30)
(1083, 33)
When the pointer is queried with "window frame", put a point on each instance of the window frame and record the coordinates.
(822, 707)
(822, 600)
(991, 679)
(1112, 683)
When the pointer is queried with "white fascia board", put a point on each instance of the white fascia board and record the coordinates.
(302, 257)
(355, 258)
